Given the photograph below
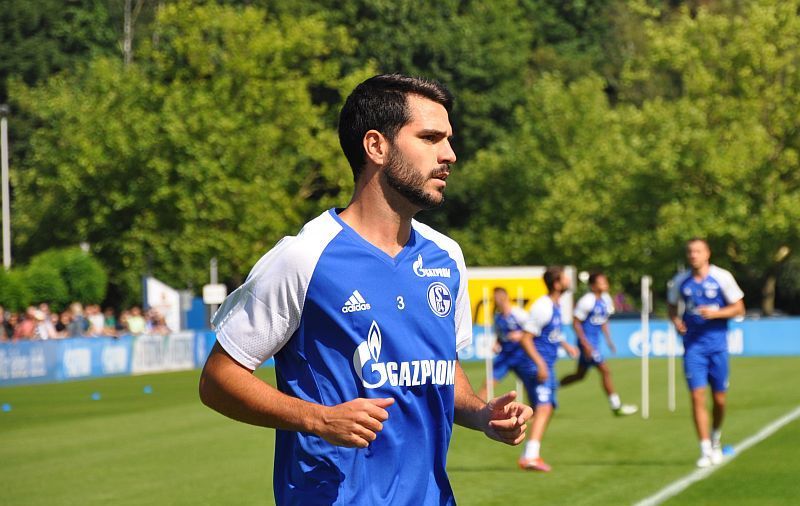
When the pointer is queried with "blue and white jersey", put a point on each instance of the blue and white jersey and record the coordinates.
(718, 289)
(344, 320)
(593, 312)
(503, 324)
(544, 322)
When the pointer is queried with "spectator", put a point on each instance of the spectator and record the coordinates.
(44, 328)
(97, 321)
(122, 323)
(109, 322)
(157, 324)
(6, 329)
(62, 325)
(136, 322)
(79, 325)
(26, 329)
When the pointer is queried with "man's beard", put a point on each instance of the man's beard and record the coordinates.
(401, 176)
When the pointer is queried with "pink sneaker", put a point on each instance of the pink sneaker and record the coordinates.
(537, 464)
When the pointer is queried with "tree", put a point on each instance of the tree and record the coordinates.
(210, 143)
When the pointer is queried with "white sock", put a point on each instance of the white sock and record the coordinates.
(532, 449)
(613, 399)
(716, 437)
(705, 447)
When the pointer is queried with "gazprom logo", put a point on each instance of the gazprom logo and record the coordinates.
(419, 270)
(409, 373)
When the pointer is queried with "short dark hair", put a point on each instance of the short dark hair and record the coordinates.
(593, 277)
(380, 103)
(551, 275)
(698, 239)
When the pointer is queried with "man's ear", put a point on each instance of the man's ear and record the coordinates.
(376, 147)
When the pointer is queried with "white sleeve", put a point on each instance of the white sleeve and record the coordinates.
(609, 303)
(584, 306)
(463, 314)
(730, 289)
(673, 289)
(519, 314)
(258, 318)
(540, 315)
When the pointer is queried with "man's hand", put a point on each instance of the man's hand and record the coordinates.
(542, 374)
(679, 326)
(708, 312)
(355, 423)
(612, 347)
(571, 350)
(506, 419)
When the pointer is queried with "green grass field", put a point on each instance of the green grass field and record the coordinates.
(58, 446)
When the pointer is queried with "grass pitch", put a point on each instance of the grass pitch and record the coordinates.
(58, 446)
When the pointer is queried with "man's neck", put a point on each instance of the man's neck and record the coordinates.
(701, 272)
(382, 220)
(555, 296)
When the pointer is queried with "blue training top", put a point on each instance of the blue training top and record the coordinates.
(345, 320)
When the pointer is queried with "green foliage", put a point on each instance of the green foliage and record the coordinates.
(211, 144)
(83, 277)
(45, 284)
(14, 293)
(41, 37)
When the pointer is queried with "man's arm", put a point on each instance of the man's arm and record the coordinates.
(729, 311)
(501, 419)
(527, 345)
(609, 341)
(231, 389)
(680, 326)
(582, 341)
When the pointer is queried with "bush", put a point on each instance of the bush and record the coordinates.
(45, 284)
(14, 293)
(85, 278)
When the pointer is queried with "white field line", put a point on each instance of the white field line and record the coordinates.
(682, 484)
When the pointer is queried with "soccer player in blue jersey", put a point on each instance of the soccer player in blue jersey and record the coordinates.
(710, 297)
(364, 312)
(590, 319)
(541, 339)
(508, 322)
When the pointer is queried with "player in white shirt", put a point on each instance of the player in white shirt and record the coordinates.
(590, 319)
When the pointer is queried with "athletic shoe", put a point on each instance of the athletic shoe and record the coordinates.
(625, 410)
(716, 456)
(537, 464)
(705, 461)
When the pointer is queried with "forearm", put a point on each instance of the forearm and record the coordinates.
(235, 392)
(673, 313)
(469, 408)
(731, 310)
(578, 328)
(607, 334)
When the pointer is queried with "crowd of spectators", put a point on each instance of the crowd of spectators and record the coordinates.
(38, 322)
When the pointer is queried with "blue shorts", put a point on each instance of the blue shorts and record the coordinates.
(590, 361)
(702, 369)
(525, 369)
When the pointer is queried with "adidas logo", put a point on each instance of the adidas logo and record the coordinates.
(355, 303)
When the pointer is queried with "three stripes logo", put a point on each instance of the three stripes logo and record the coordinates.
(355, 303)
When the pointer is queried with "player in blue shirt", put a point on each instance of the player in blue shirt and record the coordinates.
(541, 339)
(364, 312)
(508, 322)
(590, 320)
(710, 297)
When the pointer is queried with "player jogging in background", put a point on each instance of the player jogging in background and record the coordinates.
(711, 297)
(541, 339)
(508, 321)
(590, 319)
(364, 312)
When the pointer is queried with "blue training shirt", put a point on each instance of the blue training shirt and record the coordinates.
(593, 312)
(544, 322)
(345, 320)
(718, 289)
(503, 324)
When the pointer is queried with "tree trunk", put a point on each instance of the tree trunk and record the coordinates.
(768, 293)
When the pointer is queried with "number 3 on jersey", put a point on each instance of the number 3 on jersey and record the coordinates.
(401, 304)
